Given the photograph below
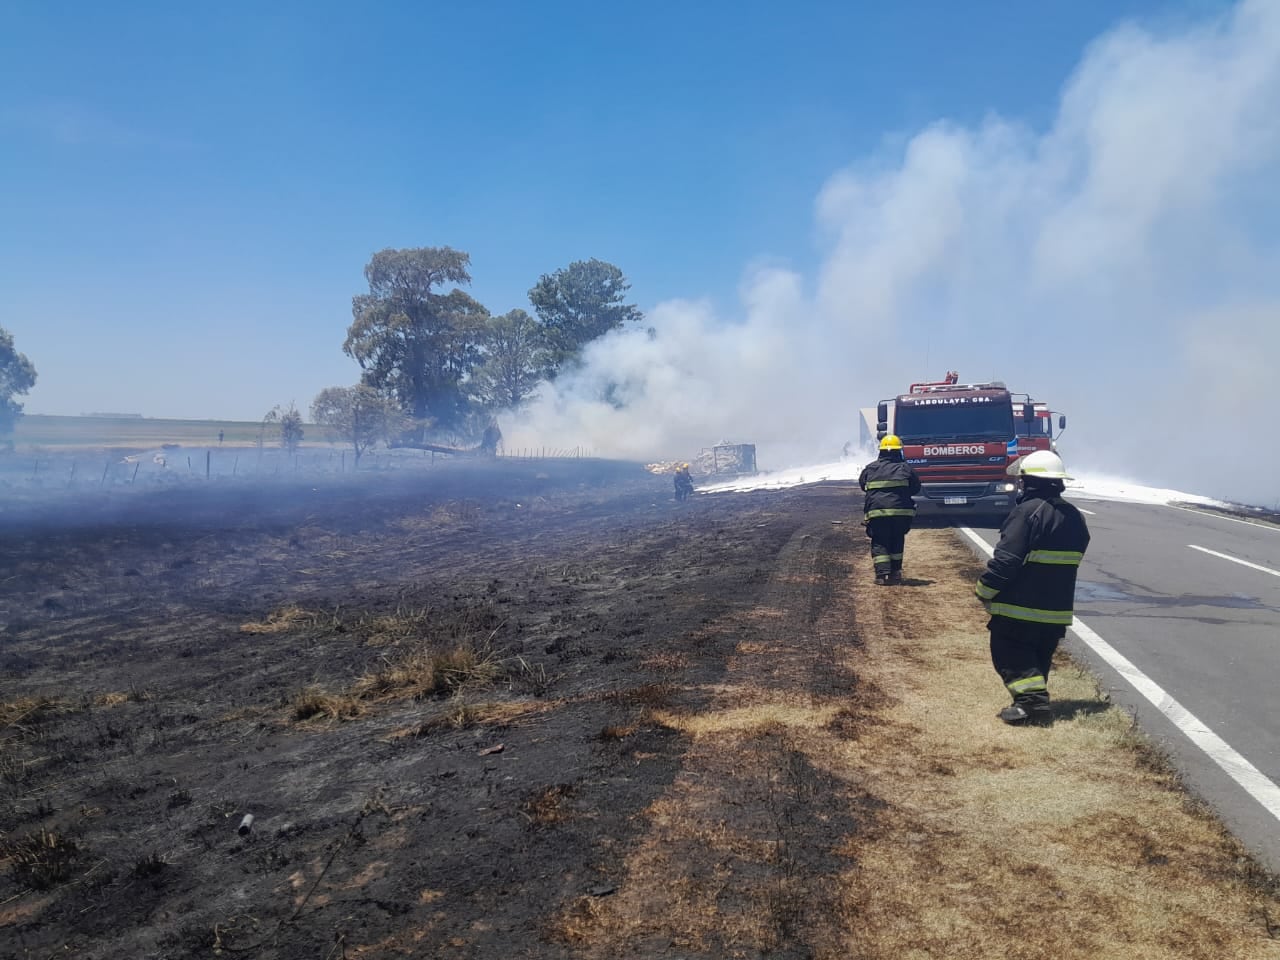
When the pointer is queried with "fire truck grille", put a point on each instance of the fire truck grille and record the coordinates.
(936, 491)
(963, 462)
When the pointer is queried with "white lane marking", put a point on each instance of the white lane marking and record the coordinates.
(1089, 512)
(1253, 780)
(1243, 563)
(1256, 524)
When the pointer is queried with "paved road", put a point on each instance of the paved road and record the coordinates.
(1203, 629)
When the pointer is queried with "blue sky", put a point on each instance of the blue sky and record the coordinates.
(190, 193)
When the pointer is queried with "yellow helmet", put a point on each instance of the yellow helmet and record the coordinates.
(890, 442)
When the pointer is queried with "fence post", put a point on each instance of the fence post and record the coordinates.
(72, 478)
(134, 478)
(105, 468)
(208, 462)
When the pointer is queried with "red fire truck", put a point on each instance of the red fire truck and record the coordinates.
(961, 438)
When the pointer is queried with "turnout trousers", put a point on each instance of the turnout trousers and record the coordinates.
(888, 540)
(1022, 653)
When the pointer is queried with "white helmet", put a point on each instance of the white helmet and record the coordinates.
(1041, 465)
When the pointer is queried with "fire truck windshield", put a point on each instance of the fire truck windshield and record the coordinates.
(962, 421)
(1035, 427)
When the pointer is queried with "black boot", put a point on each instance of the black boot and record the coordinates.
(883, 579)
(895, 578)
(1028, 713)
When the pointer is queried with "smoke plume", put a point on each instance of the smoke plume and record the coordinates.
(1123, 264)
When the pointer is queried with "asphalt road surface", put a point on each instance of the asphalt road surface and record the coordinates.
(1178, 611)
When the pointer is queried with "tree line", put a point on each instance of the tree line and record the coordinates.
(436, 364)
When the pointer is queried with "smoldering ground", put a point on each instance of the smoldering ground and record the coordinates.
(209, 489)
(1120, 263)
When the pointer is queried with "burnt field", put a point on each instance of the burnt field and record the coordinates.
(542, 710)
(440, 700)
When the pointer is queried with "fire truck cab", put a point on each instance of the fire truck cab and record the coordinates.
(961, 439)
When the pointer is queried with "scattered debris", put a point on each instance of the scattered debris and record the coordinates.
(496, 748)
(731, 459)
(723, 459)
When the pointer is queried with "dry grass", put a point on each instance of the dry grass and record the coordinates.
(459, 714)
(668, 661)
(767, 714)
(286, 619)
(405, 624)
(23, 713)
(116, 698)
(417, 672)
(424, 672)
(392, 628)
(429, 653)
(315, 703)
(1073, 841)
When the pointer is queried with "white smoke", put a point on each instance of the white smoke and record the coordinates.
(1123, 264)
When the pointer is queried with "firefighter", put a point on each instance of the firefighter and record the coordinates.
(684, 482)
(1030, 583)
(890, 484)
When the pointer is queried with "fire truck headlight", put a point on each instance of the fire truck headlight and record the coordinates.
(1006, 487)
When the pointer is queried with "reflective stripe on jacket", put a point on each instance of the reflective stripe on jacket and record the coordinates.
(889, 483)
(1032, 576)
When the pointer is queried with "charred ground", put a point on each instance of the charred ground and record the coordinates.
(336, 661)
(541, 710)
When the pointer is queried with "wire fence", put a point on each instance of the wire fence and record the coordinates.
(79, 470)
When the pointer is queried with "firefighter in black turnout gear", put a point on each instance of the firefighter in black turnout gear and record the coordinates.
(1030, 583)
(890, 484)
(683, 482)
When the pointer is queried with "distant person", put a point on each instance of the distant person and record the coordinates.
(219, 438)
(1029, 585)
(683, 482)
(490, 439)
(889, 484)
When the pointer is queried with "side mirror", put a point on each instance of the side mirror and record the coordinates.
(882, 428)
(882, 414)
(1028, 412)
(1062, 422)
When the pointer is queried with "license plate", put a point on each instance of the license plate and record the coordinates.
(955, 501)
